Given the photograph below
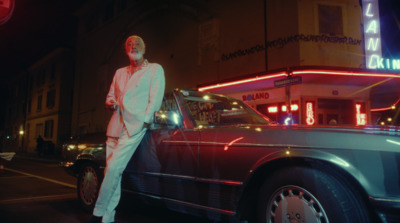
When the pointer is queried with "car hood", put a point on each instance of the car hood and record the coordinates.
(365, 138)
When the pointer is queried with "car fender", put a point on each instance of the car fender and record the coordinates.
(308, 156)
(84, 158)
(261, 169)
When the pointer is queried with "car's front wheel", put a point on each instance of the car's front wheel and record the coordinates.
(304, 194)
(88, 186)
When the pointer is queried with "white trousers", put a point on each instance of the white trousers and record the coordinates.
(118, 153)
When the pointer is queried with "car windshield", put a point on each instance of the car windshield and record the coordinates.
(214, 110)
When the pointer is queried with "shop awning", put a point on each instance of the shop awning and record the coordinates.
(384, 86)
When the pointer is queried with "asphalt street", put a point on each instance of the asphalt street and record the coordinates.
(37, 191)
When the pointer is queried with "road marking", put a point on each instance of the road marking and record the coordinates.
(39, 198)
(43, 178)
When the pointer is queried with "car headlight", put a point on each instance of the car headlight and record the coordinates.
(71, 147)
(82, 147)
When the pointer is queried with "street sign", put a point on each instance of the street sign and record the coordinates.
(288, 81)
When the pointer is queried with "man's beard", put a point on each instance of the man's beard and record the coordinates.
(136, 56)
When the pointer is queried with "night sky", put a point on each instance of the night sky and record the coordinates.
(34, 30)
(39, 26)
(36, 27)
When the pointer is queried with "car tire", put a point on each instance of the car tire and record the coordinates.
(305, 194)
(89, 181)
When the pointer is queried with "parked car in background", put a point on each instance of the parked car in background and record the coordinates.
(214, 156)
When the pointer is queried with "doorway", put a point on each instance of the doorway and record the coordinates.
(335, 112)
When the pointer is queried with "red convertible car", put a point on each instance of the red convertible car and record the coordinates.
(214, 156)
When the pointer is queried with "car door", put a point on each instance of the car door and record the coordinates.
(226, 127)
(166, 163)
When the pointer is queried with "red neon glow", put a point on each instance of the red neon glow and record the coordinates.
(361, 117)
(346, 73)
(273, 109)
(233, 141)
(310, 119)
(241, 81)
(387, 108)
(324, 72)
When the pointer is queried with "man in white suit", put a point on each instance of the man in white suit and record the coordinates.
(135, 94)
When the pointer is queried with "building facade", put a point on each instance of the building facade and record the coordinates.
(206, 41)
(49, 101)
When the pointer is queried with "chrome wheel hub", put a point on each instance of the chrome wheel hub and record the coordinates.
(293, 204)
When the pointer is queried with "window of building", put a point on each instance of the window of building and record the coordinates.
(330, 18)
(39, 102)
(48, 129)
(51, 98)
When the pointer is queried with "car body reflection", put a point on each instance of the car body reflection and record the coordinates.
(216, 157)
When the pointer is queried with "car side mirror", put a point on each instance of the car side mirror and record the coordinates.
(167, 119)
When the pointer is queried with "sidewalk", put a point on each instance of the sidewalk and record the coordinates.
(34, 157)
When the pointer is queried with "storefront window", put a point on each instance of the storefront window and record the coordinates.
(280, 113)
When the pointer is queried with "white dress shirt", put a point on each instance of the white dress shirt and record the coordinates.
(138, 96)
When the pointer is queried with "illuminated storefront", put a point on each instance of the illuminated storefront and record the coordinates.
(327, 95)
(314, 96)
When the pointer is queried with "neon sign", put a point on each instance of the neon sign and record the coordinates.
(255, 96)
(372, 39)
(360, 117)
(310, 118)
(293, 107)
(287, 120)
(243, 81)
(372, 35)
(273, 109)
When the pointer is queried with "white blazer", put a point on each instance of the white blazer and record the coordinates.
(138, 98)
